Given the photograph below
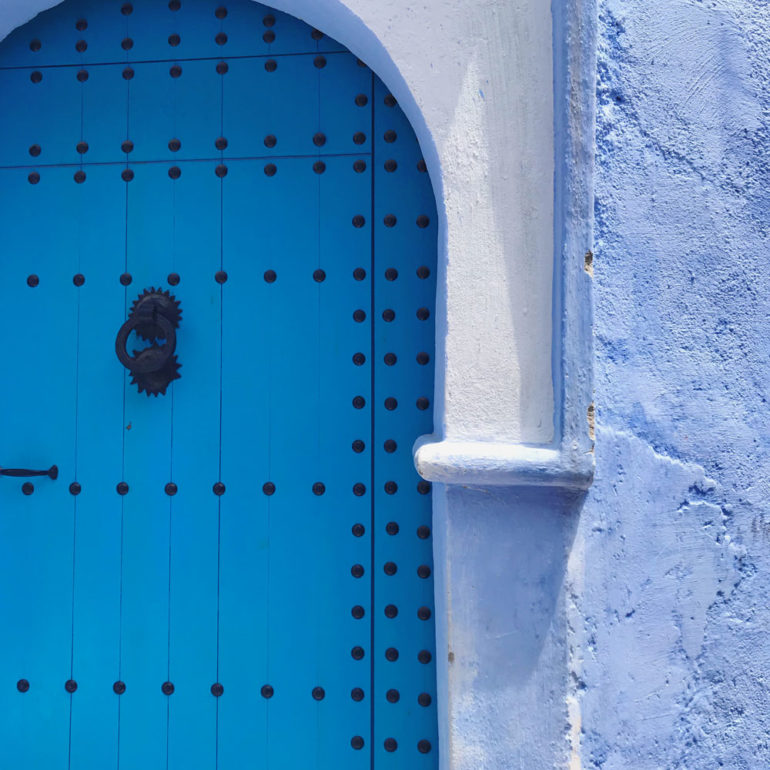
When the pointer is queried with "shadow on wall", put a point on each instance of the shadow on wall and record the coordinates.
(508, 646)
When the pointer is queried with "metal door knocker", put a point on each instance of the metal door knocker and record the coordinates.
(154, 316)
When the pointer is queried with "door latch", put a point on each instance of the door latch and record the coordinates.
(19, 473)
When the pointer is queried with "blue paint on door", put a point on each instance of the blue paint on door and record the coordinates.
(274, 608)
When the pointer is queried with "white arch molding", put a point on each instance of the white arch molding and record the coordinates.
(500, 94)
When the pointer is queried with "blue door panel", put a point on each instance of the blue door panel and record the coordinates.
(237, 572)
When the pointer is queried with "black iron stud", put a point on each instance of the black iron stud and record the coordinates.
(423, 532)
(423, 313)
(423, 272)
(319, 276)
(269, 36)
(167, 688)
(390, 744)
(391, 611)
(127, 9)
(267, 691)
(391, 274)
(358, 221)
(174, 40)
(359, 490)
(357, 570)
(423, 746)
(81, 25)
(423, 571)
(358, 446)
(393, 696)
(390, 446)
(80, 177)
(423, 358)
(318, 693)
(388, 315)
(362, 100)
(175, 145)
(271, 65)
(357, 612)
(359, 273)
(173, 279)
(22, 685)
(319, 62)
(269, 20)
(220, 276)
(268, 488)
(319, 167)
(359, 402)
(424, 656)
(81, 46)
(423, 403)
(218, 489)
(359, 359)
(423, 613)
(390, 100)
(270, 169)
(423, 221)
(390, 136)
(222, 67)
(357, 742)
(127, 174)
(391, 654)
(75, 488)
(357, 653)
(221, 12)
(175, 71)
(358, 530)
(390, 568)
(37, 76)
(119, 687)
(359, 137)
(78, 279)
(220, 38)
(359, 316)
(32, 281)
(423, 487)
(35, 45)
(27, 488)
(33, 177)
(270, 276)
(319, 139)
(357, 694)
(389, 220)
(391, 165)
(127, 44)
(217, 689)
(175, 172)
(221, 171)
(125, 279)
(70, 685)
(122, 488)
(319, 488)
(359, 166)
(270, 141)
(171, 489)
(221, 143)
(128, 73)
(391, 403)
(127, 147)
(174, 5)
(316, 34)
(422, 167)
(424, 699)
(390, 359)
(391, 487)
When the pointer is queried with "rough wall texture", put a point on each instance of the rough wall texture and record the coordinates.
(668, 596)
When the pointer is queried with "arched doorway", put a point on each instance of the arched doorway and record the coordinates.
(237, 570)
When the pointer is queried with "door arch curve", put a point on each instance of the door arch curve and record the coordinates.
(240, 567)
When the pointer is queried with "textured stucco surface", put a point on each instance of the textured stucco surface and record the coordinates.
(667, 596)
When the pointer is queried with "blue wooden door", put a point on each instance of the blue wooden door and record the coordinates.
(234, 573)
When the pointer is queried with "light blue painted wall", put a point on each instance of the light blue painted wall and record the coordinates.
(672, 623)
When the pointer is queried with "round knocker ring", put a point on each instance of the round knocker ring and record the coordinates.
(151, 359)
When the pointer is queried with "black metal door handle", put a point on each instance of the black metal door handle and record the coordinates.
(52, 472)
(154, 316)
